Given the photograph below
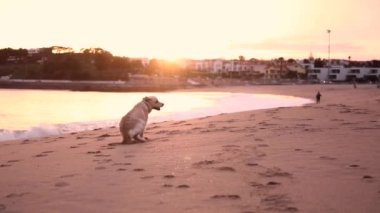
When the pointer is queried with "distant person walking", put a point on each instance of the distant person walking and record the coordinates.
(354, 82)
(318, 97)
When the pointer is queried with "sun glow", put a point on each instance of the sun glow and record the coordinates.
(173, 29)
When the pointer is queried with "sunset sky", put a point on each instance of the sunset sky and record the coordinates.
(262, 29)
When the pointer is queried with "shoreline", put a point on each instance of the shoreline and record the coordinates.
(149, 84)
(89, 86)
(229, 103)
(315, 158)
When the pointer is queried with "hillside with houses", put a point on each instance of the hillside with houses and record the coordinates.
(95, 64)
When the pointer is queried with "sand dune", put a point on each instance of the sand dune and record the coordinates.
(316, 158)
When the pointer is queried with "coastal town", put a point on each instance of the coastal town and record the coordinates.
(166, 106)
(61, 66)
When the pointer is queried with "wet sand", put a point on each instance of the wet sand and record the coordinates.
(315, 158)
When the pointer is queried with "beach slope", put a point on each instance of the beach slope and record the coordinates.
(315, 158)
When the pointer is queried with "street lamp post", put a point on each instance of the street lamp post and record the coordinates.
(329, 62)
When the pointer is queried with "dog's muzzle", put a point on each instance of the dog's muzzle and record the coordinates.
(158, 107)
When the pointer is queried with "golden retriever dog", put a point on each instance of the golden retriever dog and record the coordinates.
(132, 125)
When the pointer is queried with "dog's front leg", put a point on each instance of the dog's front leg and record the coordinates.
(141, 138)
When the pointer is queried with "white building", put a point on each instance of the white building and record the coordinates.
(257, 68)
(342, 73)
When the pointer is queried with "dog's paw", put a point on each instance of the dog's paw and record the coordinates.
(141, 140)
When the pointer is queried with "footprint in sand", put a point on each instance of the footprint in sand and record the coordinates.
(104, 136)
(4, 165)
(101, 155)
(268, 184)
(121, 170)
(251, 164)
(273, 183)
(68, 176)
(179, 122)
(196, 128)
(15, 195)
(162, 132)
(228, 197)
(301, 150)
(2, 207)
(226, 168)
(327, 158)
(278, 202)
(174, 132)
(167, 185)
(231, 146)
(24, 142)
(49, 141)
(13, 161)
(104, 161)
(61, 184)
(211, 125)
(183, 186)
(106, 147)
(169, 176)
(336, 119)
(256, 185)
(93, 152)
(164, 139)
(100, 168)
(138, 170)
(275, 172)
(203, 163)
(261, 154)
(147, 177)
(121, 164)
(367, 177)
(40, 155)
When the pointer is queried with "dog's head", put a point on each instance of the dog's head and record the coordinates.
(153, 102)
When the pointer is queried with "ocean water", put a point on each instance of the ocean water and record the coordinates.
(36, 113)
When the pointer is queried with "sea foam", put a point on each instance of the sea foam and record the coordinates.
(233, 102)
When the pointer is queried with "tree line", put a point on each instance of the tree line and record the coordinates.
(62, 63)
(90, 64)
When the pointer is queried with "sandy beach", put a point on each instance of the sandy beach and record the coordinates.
(315, 158)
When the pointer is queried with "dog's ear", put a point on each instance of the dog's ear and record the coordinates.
(146, 99)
